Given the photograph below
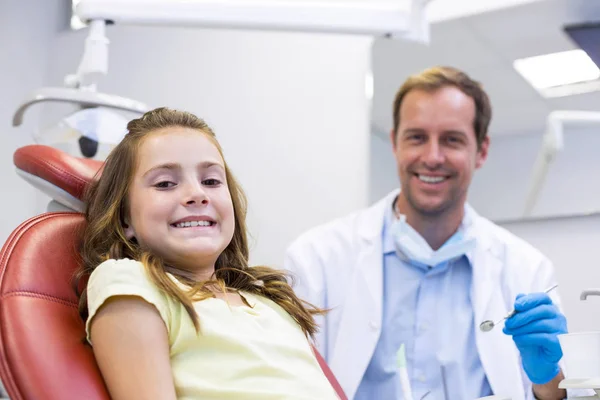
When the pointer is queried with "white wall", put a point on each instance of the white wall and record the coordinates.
(383, 175)
(289, 109)
(507, 172)
(26, 28)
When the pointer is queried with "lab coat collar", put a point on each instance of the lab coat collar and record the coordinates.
(386, 235)
(370, 221)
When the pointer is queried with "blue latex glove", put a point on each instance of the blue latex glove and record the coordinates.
(535, 329)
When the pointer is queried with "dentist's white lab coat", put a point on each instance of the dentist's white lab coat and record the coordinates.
(339, 265)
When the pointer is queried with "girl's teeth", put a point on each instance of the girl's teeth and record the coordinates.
(192, 224)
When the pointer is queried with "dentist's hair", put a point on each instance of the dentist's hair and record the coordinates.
(107, 210)
(435, 78)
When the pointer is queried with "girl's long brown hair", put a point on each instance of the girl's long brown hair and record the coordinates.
(104, 236)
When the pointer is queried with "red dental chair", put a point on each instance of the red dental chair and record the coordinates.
(43, 353)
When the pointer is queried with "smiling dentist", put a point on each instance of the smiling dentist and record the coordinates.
(423, 269)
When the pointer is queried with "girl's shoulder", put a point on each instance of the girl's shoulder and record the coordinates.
(120, 273)
(123, 277)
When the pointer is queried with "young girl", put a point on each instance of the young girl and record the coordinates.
(172, 309)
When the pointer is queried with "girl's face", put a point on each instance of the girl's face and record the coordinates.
(180, 207)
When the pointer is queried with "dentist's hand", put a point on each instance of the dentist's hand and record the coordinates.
(535, 329)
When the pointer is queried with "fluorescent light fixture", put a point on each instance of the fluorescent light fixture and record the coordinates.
(572, 89)
(558, 69)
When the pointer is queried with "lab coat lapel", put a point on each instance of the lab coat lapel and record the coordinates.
(497, 352)
(360, 323)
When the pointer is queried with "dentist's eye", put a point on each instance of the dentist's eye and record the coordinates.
(211, 182)
(416, 138)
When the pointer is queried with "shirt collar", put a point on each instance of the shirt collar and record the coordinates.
(388, 245)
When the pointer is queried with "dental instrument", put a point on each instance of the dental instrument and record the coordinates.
(403, 372)
(444, 381)
(488, 325)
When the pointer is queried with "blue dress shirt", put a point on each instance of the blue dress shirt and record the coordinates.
(430, 311)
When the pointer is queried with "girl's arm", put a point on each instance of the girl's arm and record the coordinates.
(131, 347)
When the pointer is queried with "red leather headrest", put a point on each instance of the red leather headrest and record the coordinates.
(69, 173)
(43, 354)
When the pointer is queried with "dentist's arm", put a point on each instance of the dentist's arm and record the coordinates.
(535, 329)
(550, 390)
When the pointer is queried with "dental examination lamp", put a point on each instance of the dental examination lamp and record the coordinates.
(553, 142)
(95, 125)
(395, 18)
(97, 129)
(402, 19)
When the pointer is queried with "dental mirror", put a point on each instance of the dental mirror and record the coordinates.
(488, 325)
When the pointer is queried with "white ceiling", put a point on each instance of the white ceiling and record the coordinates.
(485, 46)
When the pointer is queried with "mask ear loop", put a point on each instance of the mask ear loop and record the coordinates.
(395, 211)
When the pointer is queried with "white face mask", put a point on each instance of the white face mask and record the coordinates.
(411, 245)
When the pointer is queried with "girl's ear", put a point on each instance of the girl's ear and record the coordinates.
(129, 233)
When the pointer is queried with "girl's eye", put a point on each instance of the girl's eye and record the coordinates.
(164, 184)
(211, 182)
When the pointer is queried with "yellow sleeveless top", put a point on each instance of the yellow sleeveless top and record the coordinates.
(241, 352)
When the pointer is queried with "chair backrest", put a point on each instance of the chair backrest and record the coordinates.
(43, 353)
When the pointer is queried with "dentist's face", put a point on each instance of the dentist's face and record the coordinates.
(436, 150)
